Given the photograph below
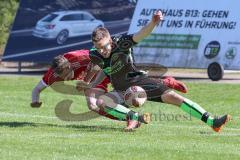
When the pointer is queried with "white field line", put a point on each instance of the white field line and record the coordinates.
(78, 135)
(191, 127)
(5, 114)
(54, 135)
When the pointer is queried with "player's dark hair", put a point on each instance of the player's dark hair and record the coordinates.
(58, 63)
(100, 33)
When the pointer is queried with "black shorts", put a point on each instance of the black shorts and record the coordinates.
(153, 87)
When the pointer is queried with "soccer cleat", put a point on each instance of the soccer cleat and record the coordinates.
(36, 104)
(175, 84)
(132, 124)
(219, 122)
(145, 118)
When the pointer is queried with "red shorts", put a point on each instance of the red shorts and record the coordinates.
(104, 84)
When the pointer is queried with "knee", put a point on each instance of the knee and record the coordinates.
(100, 103)
(93, 107)
(172, 95)
(104, 101)
(92, 103)
(172, 98)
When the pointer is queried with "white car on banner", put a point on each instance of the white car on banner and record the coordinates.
(65, 24)
(193, 34)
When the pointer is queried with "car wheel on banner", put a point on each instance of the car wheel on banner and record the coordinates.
(62, 37)
(215, 71)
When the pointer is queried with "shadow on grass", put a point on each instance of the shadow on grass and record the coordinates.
(16, 124)
(86, 128)
(206, 132)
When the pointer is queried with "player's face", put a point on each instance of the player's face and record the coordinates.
(104, 46)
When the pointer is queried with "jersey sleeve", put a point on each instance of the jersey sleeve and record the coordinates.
(96, 59)
(49, 78)
(77, 56)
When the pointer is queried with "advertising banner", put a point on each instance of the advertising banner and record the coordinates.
(193, 34)
(44, 29)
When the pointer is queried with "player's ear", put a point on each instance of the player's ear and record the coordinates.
(111, 41)
(54, 63)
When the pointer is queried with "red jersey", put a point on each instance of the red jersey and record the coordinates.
(79, 61)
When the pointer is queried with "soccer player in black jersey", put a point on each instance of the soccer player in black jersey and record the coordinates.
(114, 56)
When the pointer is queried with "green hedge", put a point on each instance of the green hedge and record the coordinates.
(7, 12)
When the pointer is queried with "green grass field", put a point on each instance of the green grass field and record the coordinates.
(27, 133)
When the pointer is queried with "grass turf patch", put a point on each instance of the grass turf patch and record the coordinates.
(28, 133)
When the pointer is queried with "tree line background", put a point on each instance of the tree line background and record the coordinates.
(8, 10)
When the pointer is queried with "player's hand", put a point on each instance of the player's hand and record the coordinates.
(82, 75)
(36, 104)
(157, 17)
(81, 85)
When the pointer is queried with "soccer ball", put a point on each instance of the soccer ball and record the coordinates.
(135, 96)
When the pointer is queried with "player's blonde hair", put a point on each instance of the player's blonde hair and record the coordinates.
(100, 33)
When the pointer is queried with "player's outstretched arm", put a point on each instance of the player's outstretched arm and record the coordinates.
(91, 71)
(99, 78)
(36, 94)
(81, 85)
(146, 30)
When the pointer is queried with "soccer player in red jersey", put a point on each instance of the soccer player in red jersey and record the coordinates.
(76, 65)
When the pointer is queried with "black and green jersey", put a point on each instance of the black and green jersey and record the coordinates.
(119, 66)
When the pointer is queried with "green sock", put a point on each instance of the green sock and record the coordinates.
(121, 113)
(196, 111)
